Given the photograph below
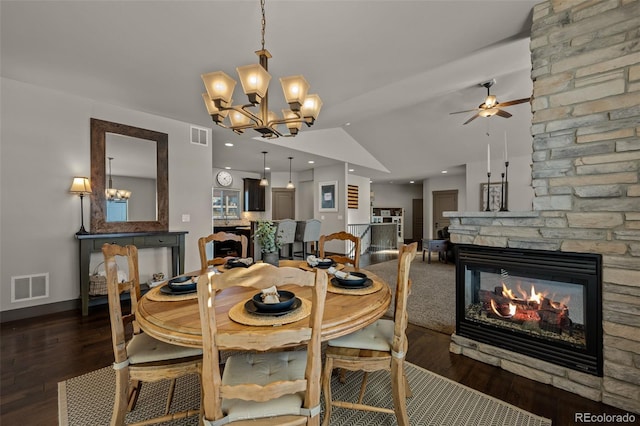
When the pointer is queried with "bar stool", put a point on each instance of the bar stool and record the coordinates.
(286, 232)
(307, 231)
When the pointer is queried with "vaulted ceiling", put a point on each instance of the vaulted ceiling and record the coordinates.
(393, 70)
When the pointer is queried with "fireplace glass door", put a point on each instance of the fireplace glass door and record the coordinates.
(543, 304)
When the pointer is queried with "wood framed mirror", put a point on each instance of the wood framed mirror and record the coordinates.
(156, 218)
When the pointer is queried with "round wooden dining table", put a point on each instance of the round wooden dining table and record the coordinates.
(178, 321)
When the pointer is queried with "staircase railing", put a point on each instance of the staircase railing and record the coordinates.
(362, 230)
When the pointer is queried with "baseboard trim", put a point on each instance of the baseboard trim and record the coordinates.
(36, 311)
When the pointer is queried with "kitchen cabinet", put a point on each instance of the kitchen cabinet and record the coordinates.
(254, 195)
(226, 204)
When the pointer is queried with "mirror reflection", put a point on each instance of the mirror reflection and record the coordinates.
(131, 184)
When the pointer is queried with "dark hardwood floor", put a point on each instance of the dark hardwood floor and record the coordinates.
(39, 352)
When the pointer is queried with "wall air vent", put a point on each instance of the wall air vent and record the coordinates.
(29, 287)
(200, 135)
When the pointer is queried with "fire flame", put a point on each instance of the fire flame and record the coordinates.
(512, 310)
(533, 297)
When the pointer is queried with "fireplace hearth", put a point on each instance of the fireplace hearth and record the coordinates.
(543, 304)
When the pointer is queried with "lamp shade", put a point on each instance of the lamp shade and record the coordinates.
(295, 90)
(311, 108)
(239, 120)
(217, 115)
(80, 185)
(491, 101)
(255, 81)
(219, 86)
(293, 126)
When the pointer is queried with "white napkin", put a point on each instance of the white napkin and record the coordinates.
(270, 295)
(313, 260)
(346, 275)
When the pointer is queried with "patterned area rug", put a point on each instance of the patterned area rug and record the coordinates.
(88, 400)
(433, 292)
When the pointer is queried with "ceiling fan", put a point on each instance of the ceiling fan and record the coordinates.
(491, 106)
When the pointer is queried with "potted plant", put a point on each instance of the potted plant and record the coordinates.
(269, 242)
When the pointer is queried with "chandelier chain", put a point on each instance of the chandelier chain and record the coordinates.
(263, 22)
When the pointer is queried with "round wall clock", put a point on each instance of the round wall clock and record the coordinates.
(224, 178)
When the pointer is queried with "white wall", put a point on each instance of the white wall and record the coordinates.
(332, 221)
(363, 213)
(519, 175)
(45, 141)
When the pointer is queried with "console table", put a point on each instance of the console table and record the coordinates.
(90, 243)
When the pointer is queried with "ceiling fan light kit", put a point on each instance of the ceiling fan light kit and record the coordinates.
(255, 78)
(491, 106)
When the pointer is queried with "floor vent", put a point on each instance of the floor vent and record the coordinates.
(200, 135)
(29, 287)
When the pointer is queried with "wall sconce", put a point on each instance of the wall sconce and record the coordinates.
(81, 186)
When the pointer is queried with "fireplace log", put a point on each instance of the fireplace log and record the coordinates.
(544, 315)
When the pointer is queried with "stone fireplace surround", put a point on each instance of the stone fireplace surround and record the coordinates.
(585, 166)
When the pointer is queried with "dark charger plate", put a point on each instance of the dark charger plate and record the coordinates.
(359, 280)
(253, 309)
(366, 283)
(165, 289)
(180, 284)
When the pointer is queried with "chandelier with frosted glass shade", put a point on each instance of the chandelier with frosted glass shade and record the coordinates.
(255, 78)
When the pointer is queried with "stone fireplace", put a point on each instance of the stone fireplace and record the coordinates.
(585, 166)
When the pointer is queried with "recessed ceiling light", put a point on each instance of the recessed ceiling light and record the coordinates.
(311, 162)
(347, 124)
(351, 170)
(267, 168)
(228, 144)
(444, 172)
(227, 168)
(412, 181)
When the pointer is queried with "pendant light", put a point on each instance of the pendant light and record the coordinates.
(290, 184)
(264, 181)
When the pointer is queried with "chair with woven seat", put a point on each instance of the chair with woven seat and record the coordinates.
(379, 346)
(341, 236)
(140, 358)
(221, 237)
(266, 384)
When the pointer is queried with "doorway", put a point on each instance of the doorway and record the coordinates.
(443, 201)
(283, 203)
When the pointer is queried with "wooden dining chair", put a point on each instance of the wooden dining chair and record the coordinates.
(380, 346)
(140, 358)
(341, 236)
(267, 385)
(205, 262)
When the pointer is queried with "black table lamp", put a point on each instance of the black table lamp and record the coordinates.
(81, 186)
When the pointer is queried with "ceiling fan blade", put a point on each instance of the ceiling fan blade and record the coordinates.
(465, 111)
(515, 102)
(502, 113)
(471, 119)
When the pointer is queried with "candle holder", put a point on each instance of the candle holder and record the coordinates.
(505, 188)
(488, 209)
